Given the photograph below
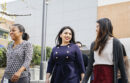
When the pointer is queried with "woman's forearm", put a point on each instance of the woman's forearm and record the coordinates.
(48, 75)
(82, 76)
(22, 69)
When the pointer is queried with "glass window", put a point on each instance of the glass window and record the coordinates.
(3, 34)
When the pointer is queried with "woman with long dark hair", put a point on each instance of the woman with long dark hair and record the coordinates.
(19, 56)
(106, 55)
(66, 62)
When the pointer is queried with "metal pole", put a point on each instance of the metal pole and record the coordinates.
(46, 6)
(43, 42)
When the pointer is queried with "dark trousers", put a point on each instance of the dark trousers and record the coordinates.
(21, 80)
(119, 80)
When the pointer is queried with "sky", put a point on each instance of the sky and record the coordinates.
(7, 1)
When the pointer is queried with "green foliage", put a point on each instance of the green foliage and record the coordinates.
(48, 52)
(3, 57)
(36, 59)
(36, 55)
(10, 42)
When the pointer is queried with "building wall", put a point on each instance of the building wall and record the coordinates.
(6, 23)
(81, 15)
(109, 2)
(4, 28)
(3, 42)
(119, 13)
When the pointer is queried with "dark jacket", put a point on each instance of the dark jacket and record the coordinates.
(66, 64)
(85, 59)
(117, 59)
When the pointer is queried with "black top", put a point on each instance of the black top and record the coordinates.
(85, 59)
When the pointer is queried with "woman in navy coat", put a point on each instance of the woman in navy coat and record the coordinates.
(66, 62)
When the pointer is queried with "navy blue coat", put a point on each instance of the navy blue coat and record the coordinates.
(66, 64)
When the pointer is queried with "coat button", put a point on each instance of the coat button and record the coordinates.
(67, 57)
(68, 46)
(56, 57)
(57, 47)
(68, 52)
(56, 52)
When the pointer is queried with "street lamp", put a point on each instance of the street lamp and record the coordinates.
(43, 41)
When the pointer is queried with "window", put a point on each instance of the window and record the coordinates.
(3, 34)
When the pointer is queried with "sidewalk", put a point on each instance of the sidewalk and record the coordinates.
(1, 73)
(37, 81)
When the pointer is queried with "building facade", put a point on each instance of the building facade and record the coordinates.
(4, 30)
(81, 15)
(118, 11)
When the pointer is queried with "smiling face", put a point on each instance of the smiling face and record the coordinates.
(15, 33)
(66, 36)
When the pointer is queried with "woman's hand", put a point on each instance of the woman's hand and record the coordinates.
(47, 81)
(47, 78)
(16, 76)
(82, 77)
(81, 81)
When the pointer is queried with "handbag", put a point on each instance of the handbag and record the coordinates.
(4, 80)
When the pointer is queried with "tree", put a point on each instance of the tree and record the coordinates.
(48, 52)
(36, 55)
(36, 59)
(3, 57)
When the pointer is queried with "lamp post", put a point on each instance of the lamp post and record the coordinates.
(43, 41)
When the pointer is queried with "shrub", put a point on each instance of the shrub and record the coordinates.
(3, 57)
(36, 59)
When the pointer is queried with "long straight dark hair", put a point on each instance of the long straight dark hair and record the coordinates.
(58, 40)
(105, 31)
